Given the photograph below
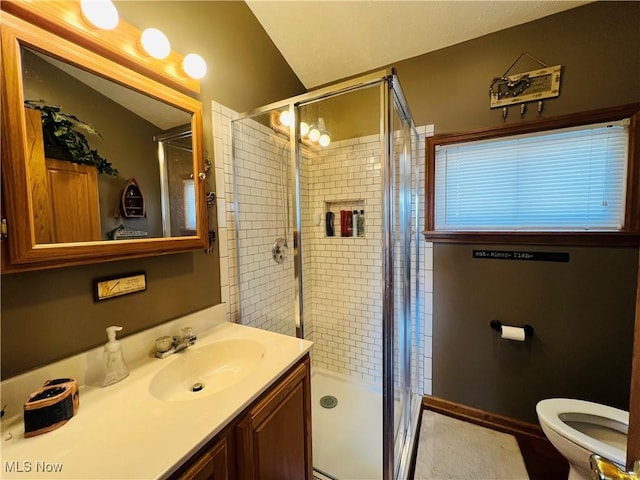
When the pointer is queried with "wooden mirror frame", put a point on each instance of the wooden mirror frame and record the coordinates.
(20, 252)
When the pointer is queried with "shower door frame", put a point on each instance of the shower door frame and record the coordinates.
(390, 94)
(397, 464)
(409, 159)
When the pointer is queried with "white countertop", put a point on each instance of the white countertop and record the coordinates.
(123, 432)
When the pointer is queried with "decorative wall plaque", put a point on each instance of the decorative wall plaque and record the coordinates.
(110, 287)
(526, 87)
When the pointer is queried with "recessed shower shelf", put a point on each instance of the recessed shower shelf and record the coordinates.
(336, 207)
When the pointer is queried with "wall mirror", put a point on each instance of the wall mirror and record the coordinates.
(99, 162)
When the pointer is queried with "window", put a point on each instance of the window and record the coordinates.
(189, 205)
(569, 179)
(569, 175)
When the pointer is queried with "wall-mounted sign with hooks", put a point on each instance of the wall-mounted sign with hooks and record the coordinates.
(524, 87)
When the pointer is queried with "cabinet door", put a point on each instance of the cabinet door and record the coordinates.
(74, 199)
(274, 438)
(212, 464)
(66, 203)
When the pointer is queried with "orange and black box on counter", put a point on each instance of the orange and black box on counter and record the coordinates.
(51, 406)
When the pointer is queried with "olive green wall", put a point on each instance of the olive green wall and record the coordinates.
(583, 311)
(50, 314)
(596, 44)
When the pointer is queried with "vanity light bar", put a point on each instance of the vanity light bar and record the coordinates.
(121, 44)
(104, 14)
(310, 135)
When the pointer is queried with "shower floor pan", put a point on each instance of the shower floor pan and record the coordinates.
(347, 438)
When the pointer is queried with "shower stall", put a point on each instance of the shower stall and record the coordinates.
(325, 248)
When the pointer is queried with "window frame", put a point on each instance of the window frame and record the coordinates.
(629, 235)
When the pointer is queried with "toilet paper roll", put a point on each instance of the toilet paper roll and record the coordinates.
(513, 333)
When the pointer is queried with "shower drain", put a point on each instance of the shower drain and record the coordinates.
(328, 401)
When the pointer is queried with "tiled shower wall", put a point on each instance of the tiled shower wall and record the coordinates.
(262, 169)
(342, 298)
(346, 305)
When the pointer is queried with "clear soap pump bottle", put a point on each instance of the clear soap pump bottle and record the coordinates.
(115, 368)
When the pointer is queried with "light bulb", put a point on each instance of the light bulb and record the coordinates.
(194, 66)
(304, 128)
(285, 118)
(155, 43)
(100, 13)
(314, 134)
(324, 140)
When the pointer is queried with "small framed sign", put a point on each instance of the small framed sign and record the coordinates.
(111, 287)
(526, 87)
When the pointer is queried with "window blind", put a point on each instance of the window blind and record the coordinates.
(189, 205)
(561, 180)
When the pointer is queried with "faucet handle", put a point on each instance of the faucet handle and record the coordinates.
(163, 344)
(187, 331)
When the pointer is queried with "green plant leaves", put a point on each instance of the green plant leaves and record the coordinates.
(63, 140)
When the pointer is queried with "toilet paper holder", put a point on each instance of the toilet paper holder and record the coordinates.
(497, 326)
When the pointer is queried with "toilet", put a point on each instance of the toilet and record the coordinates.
(578, 428)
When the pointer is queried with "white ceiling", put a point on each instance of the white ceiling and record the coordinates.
(325, 41)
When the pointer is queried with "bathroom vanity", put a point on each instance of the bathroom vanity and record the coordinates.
(252, 418)
(270, 439)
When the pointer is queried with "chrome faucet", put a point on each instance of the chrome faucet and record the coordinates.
(166, 346)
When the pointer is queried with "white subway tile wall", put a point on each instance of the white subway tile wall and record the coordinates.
(261, 167)
(341, 275)
(346, 306)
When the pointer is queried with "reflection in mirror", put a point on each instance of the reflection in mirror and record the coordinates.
(175, 155)
(134, 135)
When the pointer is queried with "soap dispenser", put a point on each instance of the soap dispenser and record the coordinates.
(115, 368)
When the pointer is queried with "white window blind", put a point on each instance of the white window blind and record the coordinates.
(561, 180)
(189, 204)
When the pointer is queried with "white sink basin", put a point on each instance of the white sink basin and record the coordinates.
(200, 371)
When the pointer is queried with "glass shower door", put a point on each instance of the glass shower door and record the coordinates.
(405, 261)
(303, 269)
(342, 277)
(264, 224)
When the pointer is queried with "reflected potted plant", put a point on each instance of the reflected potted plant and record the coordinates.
(64, 140)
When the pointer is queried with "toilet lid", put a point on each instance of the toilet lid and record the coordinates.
(549, 411)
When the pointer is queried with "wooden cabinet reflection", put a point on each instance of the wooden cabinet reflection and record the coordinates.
(65, 197)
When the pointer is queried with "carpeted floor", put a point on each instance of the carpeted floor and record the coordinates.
(450, 449)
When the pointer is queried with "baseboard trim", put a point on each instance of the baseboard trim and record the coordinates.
(483, 418)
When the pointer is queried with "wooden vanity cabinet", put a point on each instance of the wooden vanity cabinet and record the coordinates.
(211, 464)
(271, 439)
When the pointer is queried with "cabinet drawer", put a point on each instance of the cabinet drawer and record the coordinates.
(211, 465)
